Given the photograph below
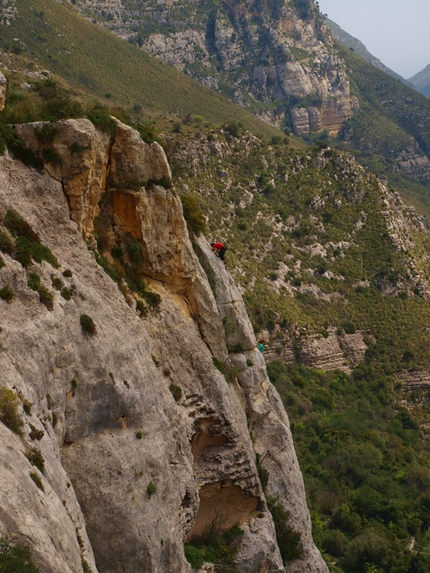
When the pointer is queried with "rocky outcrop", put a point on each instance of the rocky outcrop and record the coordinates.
(145, 441)
(416, 380)
(261, 51)
(329, 352)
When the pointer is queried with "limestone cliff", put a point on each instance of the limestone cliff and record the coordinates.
(274, 56)
(145, 441)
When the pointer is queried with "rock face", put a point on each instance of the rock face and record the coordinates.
(261, 51)
(335, 351)
(144, 440)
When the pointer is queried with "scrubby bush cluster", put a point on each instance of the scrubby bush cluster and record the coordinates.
(215, 546)
(361, 457)
(15, 558)
(9, 415)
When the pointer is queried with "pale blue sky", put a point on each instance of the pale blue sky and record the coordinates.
(395, 31)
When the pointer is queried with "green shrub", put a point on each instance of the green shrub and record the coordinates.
(141, 308)
(151, 488)
(6, 245)
(57, 283)
(288, 540)
(194, 556)
(349, 327)
(37, 480)
(176, 392)
(85, 566)
(7, 294)
(15, 558)
(65, 293)
(28, 245)
(19, 227)
(50, 155)
(102, 120)
(87, 324)
(9, 404)
(215, 546)
(36, 434)
(139, 435)
(46, 134)
(193, 215)
(35, 457)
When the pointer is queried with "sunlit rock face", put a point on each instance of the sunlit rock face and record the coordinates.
(144, 423)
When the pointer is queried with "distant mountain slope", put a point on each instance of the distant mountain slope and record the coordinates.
(360, 49)
(421, 81)
(393, 120)
(91, 58)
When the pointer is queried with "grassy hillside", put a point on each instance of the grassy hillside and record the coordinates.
(92, 59)
(392, 118)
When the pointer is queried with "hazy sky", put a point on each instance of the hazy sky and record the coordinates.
(395, 31)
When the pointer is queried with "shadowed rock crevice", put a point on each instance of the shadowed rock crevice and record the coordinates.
(222, 505)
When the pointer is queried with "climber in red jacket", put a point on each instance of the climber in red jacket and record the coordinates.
(219, 249)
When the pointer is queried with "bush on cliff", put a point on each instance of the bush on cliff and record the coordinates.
(15, 558)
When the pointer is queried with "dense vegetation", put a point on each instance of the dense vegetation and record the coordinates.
(366, 465)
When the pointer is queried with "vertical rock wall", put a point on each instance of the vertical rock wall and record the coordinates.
(146, 442)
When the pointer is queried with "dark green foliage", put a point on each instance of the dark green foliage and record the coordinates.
(46, 134)
(50, 155)
(36, 434)
(45, 297)
(234, 128)
(9, 416)
(6, 245)
(176, 392)
(85, 566)
(35, 457)
(359, 454)
(19, 227)
(101, 118)
(37, 480)
(193, 215)
(76, 148)
(349, 327)
(15, 558)
(33, 281)
(87, 324)
(147, 132)
(7, 294)
(28, 246)
(151, 489)
(304, 8)
(288, 540)
(215, 546)
(57, 283)
(153, 299)
(236, 348)
(194, 556)
(139, 435)
(219, 365)
(65, 293)
(141, 308)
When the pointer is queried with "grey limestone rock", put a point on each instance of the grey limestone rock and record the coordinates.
(134, 467)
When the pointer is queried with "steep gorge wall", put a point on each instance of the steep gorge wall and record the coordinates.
(108, 424)
(258, 52)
